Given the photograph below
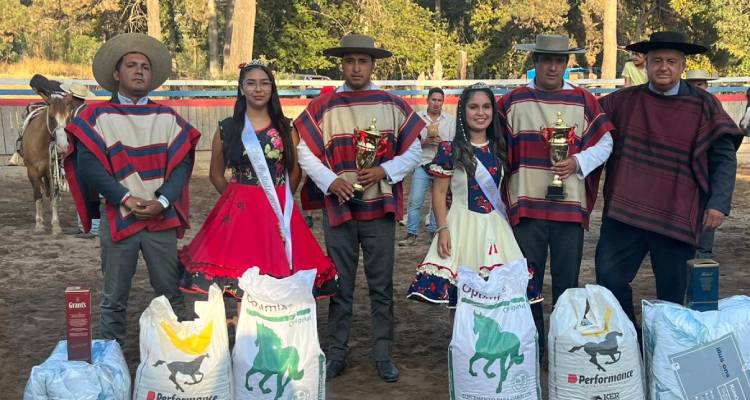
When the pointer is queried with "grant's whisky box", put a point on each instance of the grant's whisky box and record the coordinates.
(703, 285)
(78, 323)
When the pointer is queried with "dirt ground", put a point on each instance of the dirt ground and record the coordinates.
(35, 269)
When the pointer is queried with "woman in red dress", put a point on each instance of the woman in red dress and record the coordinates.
(252, 224)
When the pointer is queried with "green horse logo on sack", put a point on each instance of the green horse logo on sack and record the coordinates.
(273, 359)
(494, 344)
(189, 368)
(607, 347)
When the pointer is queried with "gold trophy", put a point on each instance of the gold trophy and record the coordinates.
(432, 130)
(369, 144)
(558, 141)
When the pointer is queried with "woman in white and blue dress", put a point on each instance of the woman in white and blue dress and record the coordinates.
(475, 232)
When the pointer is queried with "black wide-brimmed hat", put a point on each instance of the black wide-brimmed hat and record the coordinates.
(354, 43)
(667, 40)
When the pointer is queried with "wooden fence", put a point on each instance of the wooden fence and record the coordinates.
(205, 113)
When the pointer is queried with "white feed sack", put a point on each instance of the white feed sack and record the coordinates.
(697, 355)
(593, 348)
(493, 354)
(184, 360)
(277, 354)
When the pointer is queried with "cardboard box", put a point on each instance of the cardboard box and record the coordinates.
(78, 323)
(703, 284)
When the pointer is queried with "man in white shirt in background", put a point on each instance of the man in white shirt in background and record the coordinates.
(440, 127)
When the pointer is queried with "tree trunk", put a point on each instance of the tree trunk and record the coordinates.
(238, 46)
(229, 24)
(213, 40)
(462, 64)
(609, 59)
(152, 14)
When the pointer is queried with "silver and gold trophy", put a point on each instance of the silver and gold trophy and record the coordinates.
(369, 144)
(557, 137)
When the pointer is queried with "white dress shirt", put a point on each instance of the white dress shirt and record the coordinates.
(446, 125)
(596, 155)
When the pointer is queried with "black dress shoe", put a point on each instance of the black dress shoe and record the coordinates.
(334, 368)
(387, 370)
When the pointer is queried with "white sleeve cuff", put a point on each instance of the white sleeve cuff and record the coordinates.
(164, 202)
(579, 173)
(325, 180)
(122, 200)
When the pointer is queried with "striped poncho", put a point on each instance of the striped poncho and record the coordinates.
(327, 127)
(139, 146)
(523, 113)
(658, 176)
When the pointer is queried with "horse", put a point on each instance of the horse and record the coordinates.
(607, 347)
(189, 368)
(44, 143)
(273, 359)
(494, 344)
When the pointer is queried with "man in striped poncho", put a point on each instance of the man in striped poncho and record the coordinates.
(541, 224)
(327, 154)
(670, 177)
(138, 155)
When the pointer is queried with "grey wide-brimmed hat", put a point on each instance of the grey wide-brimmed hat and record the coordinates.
(699, 75)
(114, 49)
(355, 43)
(667, 40)
(551, 44)
(76, 90)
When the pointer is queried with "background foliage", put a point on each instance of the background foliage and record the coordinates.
(426, 36)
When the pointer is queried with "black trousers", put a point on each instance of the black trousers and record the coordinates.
(620, 252)
(564, 240)
(377, 240)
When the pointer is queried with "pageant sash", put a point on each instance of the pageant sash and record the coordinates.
(492, 192)
(258, 160)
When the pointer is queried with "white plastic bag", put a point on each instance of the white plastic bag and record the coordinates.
(107, 377)
(691, 353)
(184, 360)
(493, 354)
(277, 354)
(593, 348)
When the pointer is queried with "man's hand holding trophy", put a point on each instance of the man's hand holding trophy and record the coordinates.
(369, 144)
(559, 137)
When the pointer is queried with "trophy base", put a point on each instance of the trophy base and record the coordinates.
(555, 193)
(358, 197)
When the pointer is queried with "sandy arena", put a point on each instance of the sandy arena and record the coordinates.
(36, 269)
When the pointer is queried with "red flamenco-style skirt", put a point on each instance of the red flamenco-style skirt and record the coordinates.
(241, 232)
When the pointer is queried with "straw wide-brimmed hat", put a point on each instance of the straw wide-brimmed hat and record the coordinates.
(551, 44)
(667, 40)
(114, 49)
(77, 90)
(355, 43)
(699, 75)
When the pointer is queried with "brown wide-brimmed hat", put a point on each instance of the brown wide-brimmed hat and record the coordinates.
(667, 40)
(354, 43)
(76, 90)
(114, 49)
(699, 75)
(551, 44)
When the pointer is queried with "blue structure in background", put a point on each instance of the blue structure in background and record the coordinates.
(530, 74)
